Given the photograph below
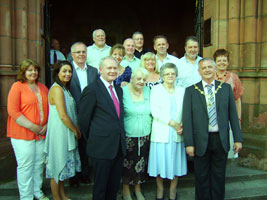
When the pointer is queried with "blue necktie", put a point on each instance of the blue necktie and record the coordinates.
(211, 107)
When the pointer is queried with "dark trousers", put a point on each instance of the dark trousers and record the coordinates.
(107, 176)
(210, 171)
(83, 157)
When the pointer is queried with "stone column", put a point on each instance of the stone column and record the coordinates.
(21, 24)
(5, 33)
(234, 34)
(250, 35)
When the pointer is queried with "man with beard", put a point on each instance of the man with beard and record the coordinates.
(161, 46)
(97, 50)
(188, 64)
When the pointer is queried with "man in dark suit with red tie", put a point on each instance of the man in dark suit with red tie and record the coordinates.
(101, 121)
(208, 109)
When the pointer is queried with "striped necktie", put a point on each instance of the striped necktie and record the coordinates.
(211, 107)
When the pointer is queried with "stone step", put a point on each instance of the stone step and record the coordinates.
(241, 184)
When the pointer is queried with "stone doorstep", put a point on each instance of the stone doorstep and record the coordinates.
(241, 183)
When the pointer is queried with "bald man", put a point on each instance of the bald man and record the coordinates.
(129, 58)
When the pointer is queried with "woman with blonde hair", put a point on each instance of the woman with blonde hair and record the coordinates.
(149, 62)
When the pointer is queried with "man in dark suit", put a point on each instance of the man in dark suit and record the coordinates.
(101, 122)
(208, 108)
(82, 76)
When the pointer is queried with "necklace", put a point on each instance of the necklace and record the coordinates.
(209, 96)
(221, 78)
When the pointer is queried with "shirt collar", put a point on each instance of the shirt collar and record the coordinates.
(78, 68)
(107, 84)
(105, 46)
(205, 83)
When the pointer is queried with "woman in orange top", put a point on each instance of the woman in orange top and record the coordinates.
(27, 118)
(221, 58)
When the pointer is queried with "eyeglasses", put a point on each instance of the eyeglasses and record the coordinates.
(79, 52)
(169, 74)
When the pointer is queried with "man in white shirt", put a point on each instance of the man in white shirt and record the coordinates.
(55, 54)
(129, 58)
(188, 64)
(82, 76)
(97, 50)
(161, 46)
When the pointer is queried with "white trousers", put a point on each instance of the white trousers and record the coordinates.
(30, 166)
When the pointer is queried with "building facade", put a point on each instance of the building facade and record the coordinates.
(240, 26)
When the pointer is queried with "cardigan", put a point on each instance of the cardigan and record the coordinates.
(160, 103)
(23, 101)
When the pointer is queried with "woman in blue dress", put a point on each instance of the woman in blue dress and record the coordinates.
(62, 155)
(167, 156)
(124, 75)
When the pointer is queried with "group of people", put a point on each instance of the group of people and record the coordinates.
(132, 117)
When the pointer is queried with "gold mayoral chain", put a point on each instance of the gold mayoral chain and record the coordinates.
(207, 95)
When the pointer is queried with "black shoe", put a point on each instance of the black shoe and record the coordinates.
(74, 182)
(85, 180)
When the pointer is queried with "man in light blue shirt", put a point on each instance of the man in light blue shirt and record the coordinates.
(161, 46)
(188, 65)
(55, 54)
(129, 58)
(97, 50)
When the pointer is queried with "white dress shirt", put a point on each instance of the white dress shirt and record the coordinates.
(60, 56)
(188, 73)
(168, 59)
(82, 75)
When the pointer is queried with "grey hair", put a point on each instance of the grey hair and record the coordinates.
(207, 59)
(168, 66)
(102, 60)
(139, 69)
(76, 43)
(98, 30)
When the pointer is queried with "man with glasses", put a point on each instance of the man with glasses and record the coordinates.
(138, 38)
(97, 50)
(82, 76)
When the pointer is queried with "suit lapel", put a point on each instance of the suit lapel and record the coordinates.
(201, 96)
(75, 78)
(217, 95)
(89, 74)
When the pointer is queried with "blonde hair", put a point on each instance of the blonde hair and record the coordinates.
(146, 56)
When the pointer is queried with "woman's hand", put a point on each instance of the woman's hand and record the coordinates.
(36, 129)
(177, 126)
(77, 133)
(43, 130)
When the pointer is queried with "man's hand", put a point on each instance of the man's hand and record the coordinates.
(237, 147)
(190, 150)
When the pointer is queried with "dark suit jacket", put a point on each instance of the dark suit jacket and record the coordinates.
(75, 87)
(195, 117)
(99, 122)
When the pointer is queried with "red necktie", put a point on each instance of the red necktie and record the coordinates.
(55, 57)
(115, 101)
